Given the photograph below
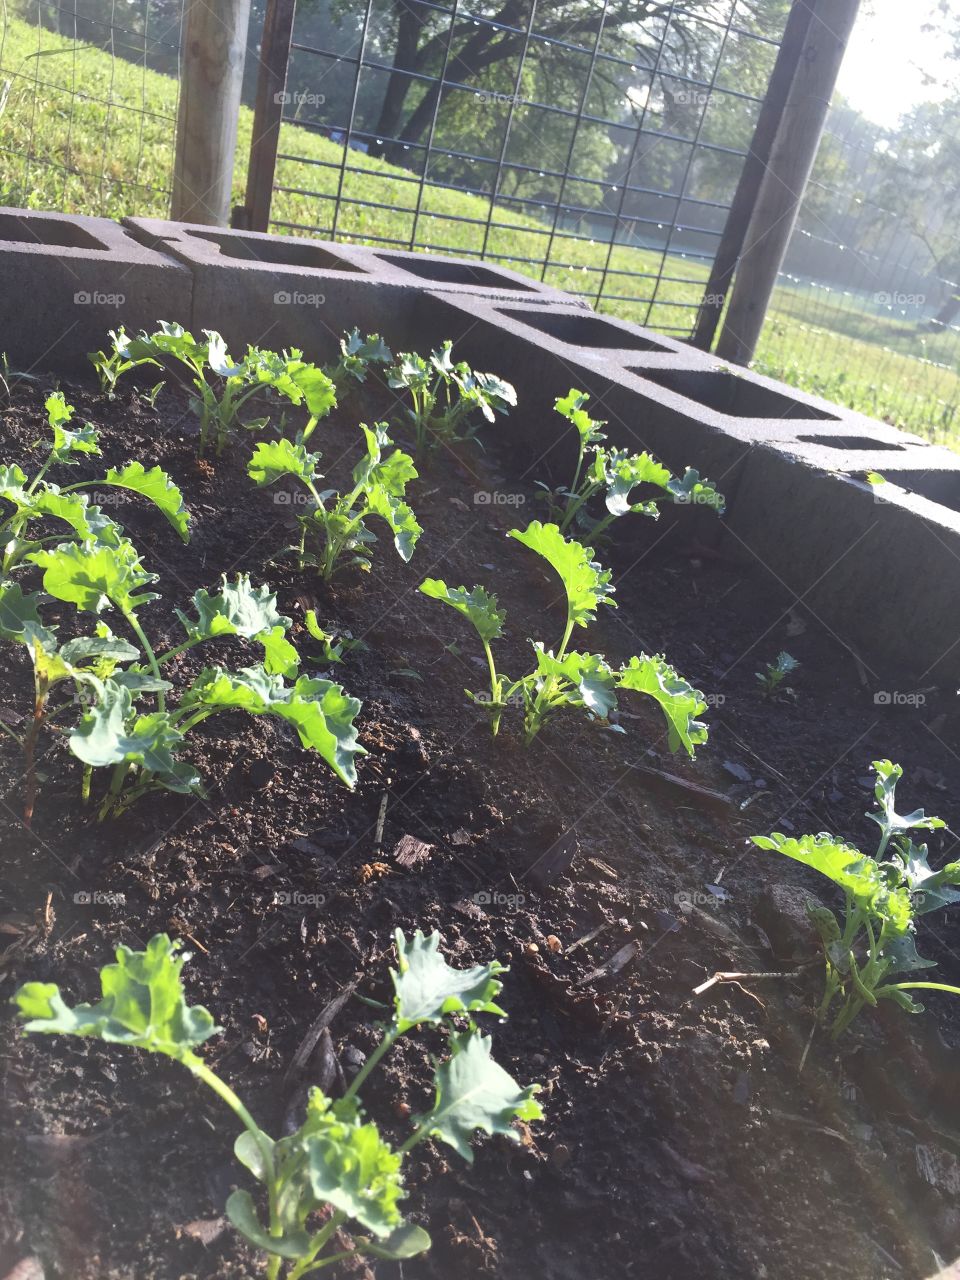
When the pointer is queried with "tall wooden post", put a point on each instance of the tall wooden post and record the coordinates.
(785, 178)
(211, 78)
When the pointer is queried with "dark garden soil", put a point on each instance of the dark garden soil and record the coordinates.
(679, 1139)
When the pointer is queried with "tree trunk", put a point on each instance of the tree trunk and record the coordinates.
(405, 58)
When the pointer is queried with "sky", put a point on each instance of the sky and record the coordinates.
(883, 73)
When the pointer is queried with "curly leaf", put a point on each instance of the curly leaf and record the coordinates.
(319, 709)
(143, 1005)
(65, 441)
(478, 605)
(679, 701)
(398, 515)
(349, 1165)
(427, 988)
(474, 1092)
(89, 523)
(111, 733)
(19, 619)
(571, 406)
(158, 488)
(588, 673)
(847, 867)
(623, 472)
(695, 489)
(275, 458)
(92, 576)
(238, 609)
(888, 820)
(931, 888)
(586, 584)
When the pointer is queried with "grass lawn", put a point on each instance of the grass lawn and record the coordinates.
(83, 132)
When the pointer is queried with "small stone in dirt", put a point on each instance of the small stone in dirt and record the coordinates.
(531, 949)
(460, 836)
(782, 913)
(553, 943)
(206, 1230)
(738, 771)
(467, 907)
(353, 1058)
(560, 1156)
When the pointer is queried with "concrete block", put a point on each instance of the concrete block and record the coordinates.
(282, 291)
(68, 280)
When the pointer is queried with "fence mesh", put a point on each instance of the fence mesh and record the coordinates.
(88, 104)
(595, 147)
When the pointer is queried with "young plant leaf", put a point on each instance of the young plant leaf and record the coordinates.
(67, 442)
(321, 712)
(93, 576)
(477, 605)
(586, 584)
(275, 458)
(888, 820)
(144, 1004)
(405, 1241)
(427, 988)
(242, 1212)
(679, 701)
(474, 1092)
(156, 486)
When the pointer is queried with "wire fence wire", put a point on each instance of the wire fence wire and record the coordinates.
(88, 104)
(867, 307)
(594, 147)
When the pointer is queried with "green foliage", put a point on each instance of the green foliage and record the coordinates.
(444, 395)
(616, 474)
(774, 673)
(873, 940)
(337, 1160)
(334, 532)
(35, 501)
(566, 678)
(357, 355)
(112, 678)
(221, 387)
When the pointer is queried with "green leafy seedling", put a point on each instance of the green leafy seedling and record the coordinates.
(142, 747)
(566, 678)
(616, 474)
(873, 941)
(444, 395)
(357, 356)
(774, 673)
(221, 386)
(337, 1162)
(334, 532)
(32, 502)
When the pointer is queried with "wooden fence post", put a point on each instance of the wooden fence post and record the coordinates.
(785, 177)
(211, 78)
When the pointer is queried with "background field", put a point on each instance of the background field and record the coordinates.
(84, 132)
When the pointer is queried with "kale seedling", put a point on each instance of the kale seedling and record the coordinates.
(335, 524)
(774, 674)
(142, 747)
(336, 1168)
(36, 498)
(883, 895)
(566, 678)
(444, 395)
(222, 387)
(616, 473)
(356, 356)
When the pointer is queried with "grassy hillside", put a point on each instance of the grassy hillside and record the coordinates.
(83, 132)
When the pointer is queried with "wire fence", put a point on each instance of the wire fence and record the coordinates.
(88, 104)
(594, 147)
(867, 306)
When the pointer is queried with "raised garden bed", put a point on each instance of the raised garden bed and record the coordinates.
(679, 1136)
